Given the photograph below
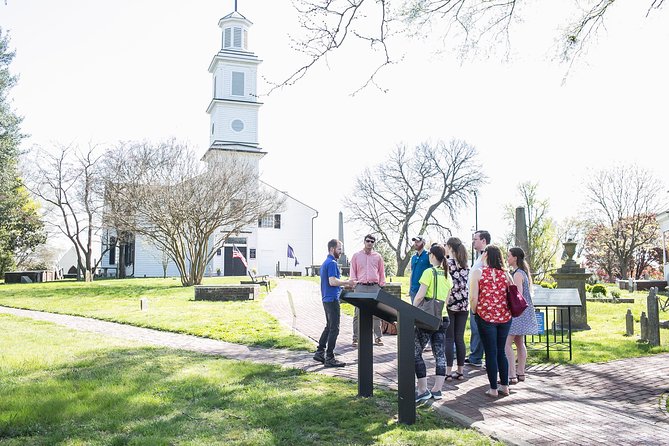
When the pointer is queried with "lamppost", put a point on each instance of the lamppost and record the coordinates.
(476, 223)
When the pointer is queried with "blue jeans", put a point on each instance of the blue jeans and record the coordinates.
(475, 345)
(493, 337)
(329, 336)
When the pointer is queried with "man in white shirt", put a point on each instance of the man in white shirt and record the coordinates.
(481, 240)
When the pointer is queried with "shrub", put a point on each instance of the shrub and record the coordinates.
(545, 285)
(588, 288)
(598, 289)
(615, 294)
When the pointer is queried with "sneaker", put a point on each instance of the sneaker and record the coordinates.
(319, 356)
(378, 341)
(423, 396)
(473, 364)
(333, 362)
(436, 395)
(354, 343)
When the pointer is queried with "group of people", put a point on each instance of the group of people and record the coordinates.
(477, 293)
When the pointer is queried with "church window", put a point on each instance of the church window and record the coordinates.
(212, 128)
(112, 250)
(252, 253)
(246, 39)
(129, 253)
(214, 86)
(226, 37)
(237, 42)
(237, 83)
(270, 221)
(218, 252)
(237, 125)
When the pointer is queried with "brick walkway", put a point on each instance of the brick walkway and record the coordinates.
(615, 403)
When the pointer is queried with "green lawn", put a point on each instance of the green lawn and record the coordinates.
(64, 387)
(171, 307)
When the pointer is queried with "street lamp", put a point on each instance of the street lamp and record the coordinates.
(476, 223)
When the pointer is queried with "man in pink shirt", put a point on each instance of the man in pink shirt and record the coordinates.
(368, 272)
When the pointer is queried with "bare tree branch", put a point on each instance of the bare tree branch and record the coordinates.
(415, 191)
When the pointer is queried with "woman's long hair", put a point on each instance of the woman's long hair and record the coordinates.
(495, 259)
(519, 254)
(439, 252)
(459, 251)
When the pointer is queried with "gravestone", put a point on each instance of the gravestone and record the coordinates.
(570, 275)
(644, 326)
(629, 323)
(653, 318)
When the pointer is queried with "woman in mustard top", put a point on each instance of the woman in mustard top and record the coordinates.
(444, 283)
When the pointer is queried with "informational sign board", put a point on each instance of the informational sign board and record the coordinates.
(541, 318)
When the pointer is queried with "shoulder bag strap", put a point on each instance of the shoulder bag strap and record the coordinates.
(436, 280)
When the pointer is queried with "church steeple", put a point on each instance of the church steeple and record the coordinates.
(233, 109)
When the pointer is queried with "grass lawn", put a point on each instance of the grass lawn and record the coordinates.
(64, 387)
(171, 307)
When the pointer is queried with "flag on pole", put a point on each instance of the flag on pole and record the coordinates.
(236, 254)
(291, 255)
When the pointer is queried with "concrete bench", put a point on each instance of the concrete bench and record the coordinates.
(227, 292)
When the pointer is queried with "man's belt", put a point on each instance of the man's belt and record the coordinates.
(368, 283)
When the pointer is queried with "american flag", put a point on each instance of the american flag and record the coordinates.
(236, 254)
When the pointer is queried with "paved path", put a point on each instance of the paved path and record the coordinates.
(615, 403)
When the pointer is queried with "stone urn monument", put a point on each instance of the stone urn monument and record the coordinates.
(570, 275)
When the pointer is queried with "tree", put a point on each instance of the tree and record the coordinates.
(330, 25)
(543, 243)
(624, 202)
(69, 182)
(21, 229)
(184, 208)
(605, 245)
(415, 191)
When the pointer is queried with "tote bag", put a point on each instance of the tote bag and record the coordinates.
(516, 301)
(432, 306)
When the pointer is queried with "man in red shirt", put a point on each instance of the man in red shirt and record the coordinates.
(367, 270)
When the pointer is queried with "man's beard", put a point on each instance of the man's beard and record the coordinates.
(336, 255)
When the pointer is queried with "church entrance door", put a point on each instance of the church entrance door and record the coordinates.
(232, 266)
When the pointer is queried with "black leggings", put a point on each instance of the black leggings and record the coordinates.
(436, 338)
(456, 332)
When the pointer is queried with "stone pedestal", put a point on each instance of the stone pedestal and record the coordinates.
(572, 276)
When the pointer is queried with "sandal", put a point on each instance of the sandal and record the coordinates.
(457, 375)
(449, 377)
(512, 381)
(490, 394)
(521, 378)
(503, 392)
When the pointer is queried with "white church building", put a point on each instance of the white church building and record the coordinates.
(233, 113)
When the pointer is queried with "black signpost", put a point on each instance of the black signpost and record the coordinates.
(391, 309)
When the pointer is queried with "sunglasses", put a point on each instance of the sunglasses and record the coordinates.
(370, 241)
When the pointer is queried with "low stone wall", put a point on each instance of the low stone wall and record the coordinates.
(226, 292)
(621, 300)
(394, 288)
(643, 285)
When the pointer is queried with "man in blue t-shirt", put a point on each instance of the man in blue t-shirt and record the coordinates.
(330, 289)
(419, 263)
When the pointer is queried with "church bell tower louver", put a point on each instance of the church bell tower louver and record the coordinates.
(233, 110)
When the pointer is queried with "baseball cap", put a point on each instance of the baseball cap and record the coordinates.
(418, 239)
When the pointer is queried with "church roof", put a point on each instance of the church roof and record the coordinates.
(235, 15)
(289, 196)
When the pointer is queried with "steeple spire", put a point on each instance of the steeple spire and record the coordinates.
(235, 5)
